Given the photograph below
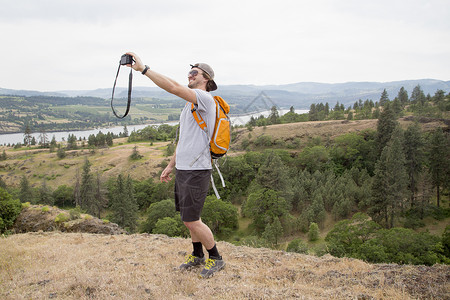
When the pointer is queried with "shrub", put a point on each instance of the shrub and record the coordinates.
(297, 246)
(61, 153)
(319, 250)
(446, 241)
(245, 144)
(75, 213)
(9, 210)
(313, 233)
(348, 235)
(135, 154)
(61, 218)
(220, 216)
(405, 246)
(263, 141)
(168, 226)
(156, 211)
(45, 209)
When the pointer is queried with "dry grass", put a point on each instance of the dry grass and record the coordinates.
(87, 266)
(323, 129)
(40, 164)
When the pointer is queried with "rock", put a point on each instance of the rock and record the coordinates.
(34, 219)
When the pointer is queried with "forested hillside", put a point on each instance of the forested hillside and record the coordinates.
(369, 181)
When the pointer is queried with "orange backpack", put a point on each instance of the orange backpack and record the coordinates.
(221, 138)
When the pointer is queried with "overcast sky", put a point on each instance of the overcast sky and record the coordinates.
(51, 45)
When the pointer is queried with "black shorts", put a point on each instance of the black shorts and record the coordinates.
(191, 189)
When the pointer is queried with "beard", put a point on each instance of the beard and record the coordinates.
(193, 84)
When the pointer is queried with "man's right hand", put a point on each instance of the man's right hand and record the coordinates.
(138, 65)
(165, 175)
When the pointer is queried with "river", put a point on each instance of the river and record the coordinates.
(14, 138)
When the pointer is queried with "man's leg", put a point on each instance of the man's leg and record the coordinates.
(200, 232)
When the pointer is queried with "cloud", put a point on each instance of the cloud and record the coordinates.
(55, 45)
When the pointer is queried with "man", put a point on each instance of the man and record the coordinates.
(192, 159)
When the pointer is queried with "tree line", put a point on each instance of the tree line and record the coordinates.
(418, 104)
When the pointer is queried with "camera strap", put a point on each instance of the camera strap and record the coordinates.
(130, 86)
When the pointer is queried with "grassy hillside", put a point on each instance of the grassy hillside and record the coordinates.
(88, 266)
(39, 164)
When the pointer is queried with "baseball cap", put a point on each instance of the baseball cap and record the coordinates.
(208, 70)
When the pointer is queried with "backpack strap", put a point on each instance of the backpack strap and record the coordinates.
(198, 118)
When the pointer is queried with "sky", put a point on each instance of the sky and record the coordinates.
(55, 45)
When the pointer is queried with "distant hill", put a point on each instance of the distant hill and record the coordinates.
(300, 95)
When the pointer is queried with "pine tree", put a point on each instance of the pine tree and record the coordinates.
(87, 191)
(414, 154)
(439, 99)
(26, 192)
(274, 117)
(390, 182)
(397, 107)
(403, 96)
(3, 156)
(417, 96)
(45, 194)
(313, 233)
(125, 131)
(72, 142)
(273, 231)
(384, 98)
(77, 190)
(263, 206)
(123, 203)
(135, 154)
(27, 135)
(43, 139)
(53, 144)
(313, 114)
(439, 156)
(109, 139)
(386, 124)
(273, 174)
(316, 211)
(100, 200)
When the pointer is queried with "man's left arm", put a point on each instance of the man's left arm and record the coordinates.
(165, 82)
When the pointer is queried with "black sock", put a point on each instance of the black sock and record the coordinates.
(213, 252)
(198, 249)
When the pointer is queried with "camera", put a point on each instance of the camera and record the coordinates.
(126, 59)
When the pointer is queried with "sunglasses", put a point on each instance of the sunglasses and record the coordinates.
(193, 73)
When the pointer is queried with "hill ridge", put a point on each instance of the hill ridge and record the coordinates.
(89, 266)
(299, 94)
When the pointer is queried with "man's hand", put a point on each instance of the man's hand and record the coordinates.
(138, 65)
(164, 82)
(165, 175)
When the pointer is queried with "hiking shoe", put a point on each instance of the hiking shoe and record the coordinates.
(191, 261)
(213, 265)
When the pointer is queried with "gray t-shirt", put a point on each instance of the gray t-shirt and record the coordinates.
(193, 146)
